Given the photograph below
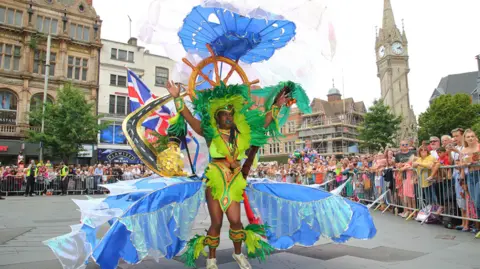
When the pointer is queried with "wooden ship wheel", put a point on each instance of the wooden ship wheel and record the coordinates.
(198, 77)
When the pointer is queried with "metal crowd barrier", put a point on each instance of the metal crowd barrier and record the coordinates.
(408, 192)
(52, 185)
(413, 191)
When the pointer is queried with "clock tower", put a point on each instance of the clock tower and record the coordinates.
(391, 49)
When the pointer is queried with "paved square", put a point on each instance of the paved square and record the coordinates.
(26, 222)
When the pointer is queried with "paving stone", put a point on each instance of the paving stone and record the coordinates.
(26, 222)
(8, 234)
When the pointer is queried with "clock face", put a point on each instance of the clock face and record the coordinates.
(381, 51)
(397, 48)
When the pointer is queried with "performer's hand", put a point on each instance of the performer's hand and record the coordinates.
(173, 89)
(281, 100)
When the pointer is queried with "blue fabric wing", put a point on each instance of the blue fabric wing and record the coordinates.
(301, 215)
(157, 225)
(232, 35)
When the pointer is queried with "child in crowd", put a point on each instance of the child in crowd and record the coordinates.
(470, 211)
(444, 160)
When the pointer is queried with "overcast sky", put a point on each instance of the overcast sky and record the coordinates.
(443, 39)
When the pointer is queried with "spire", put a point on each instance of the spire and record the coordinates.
(404, 36)
(388, 18)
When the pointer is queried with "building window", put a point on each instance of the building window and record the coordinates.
(8, 107)
(39, 60)
(289, 147)
(113, 134)
(161, 76)
(11, 16)
(291, 127)
(47, 25)
(261, 151)
(36, 103)
(79, 32)
(119, 105)
(77, 68)
(275, 148)
(116, 80)
(122, 55)
(10, 57)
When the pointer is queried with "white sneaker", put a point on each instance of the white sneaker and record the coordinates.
(212, 264)
(242, 261)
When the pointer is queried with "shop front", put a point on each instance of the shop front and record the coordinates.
(86, 154)
(10, 149)
(118, 156)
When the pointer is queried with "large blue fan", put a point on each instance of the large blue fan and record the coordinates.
(232, 35)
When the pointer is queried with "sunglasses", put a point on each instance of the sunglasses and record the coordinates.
(434, 141)
(457, 130)
(404, 145)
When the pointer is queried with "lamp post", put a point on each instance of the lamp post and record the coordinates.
(65, 20)
(30, 12)
(45, 88)
(95, 30)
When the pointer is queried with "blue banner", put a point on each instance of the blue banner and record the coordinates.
(113, 134)
(118, 156)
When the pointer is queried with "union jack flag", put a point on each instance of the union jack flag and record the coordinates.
(139, 95)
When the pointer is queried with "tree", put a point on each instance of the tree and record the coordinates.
(380, 127)
(446, 113)
(476, 128)
(69, 123)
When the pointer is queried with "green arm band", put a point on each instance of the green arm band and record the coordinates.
(275, 110)
(179, 104)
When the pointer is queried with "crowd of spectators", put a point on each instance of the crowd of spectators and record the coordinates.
(15, 178)
(442, 174)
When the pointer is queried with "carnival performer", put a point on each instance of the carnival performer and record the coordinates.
(229, 127)
(154, 217)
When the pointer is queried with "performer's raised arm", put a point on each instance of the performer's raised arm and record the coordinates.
(280, 101)
(183, 109)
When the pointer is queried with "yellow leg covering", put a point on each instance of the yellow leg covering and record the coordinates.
(212, 241)
(237, 235)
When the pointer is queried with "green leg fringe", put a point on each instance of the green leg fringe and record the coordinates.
(256, 247)
(195, 247)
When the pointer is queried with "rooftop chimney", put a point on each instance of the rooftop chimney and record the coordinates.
(478, 63)
(132, 41)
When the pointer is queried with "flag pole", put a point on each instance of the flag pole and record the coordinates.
(130, 25)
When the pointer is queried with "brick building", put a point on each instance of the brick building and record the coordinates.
(75, 47)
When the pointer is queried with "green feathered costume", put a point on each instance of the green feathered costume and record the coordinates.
(227, 185)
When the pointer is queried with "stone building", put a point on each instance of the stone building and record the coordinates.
(391, 48)
(331, 128)
(286, 145)
(75, 46)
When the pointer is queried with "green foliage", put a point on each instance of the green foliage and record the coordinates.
(476, 128)
(379, 128)
(35, 40)
(161, 143)
(69, 123)
(446, 113)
